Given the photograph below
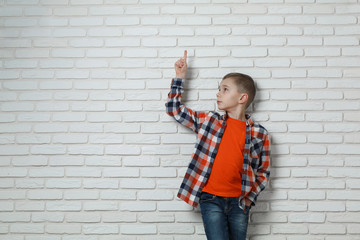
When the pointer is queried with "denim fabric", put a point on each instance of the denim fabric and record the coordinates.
(223, 218)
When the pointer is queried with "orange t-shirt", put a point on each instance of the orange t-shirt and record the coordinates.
(225, 177)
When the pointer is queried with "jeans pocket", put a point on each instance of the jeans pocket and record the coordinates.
(207, 197)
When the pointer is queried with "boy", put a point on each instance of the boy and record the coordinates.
(230, 165)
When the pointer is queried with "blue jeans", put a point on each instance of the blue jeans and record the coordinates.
(223, 218)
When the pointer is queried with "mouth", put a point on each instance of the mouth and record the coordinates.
(218, 102)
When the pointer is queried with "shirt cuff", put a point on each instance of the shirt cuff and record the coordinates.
(177, 82)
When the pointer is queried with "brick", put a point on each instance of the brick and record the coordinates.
(344, 172)
(142, 161)
(9, 33)
(136, 207)
(335, 20)
(103, 53)
(284, 10)
(47, 217)
(157, 20)
(68, 32)
(269, 217)
(308, 149)
(289, 229)
(286, 206)
(266, 41)
(286, 184)
(20, 63)
(73, 53)
(229, 20)
(325, 138)
(173, 206)
(14, 150)
(46, 74)
(19, 22)
(85, 2)
(123, 172)
(158, 172)
(266, 19)
(27, 228)
(156, 218)
(318, 31)
(80, 194)
(306, 195)
(100, 183)
(44, 194)
(142, 10)
(9, 75)
(106, 10)
(105, 32)
(118, 195)
(341, 217)
(197, 20)
(352, 206)
(137, 183)
(157, 195)
(63, 228)
(147, 53)
(101, 206)
(176, 229)
(133, 42)
(289, 51)
(138, 229)
(307, 217)
(248, 8)
(10, 12)
(63, 183)
(190, 42)
(86, 150)
(101, 229)
(327, 206)
(350, 52)
(327, 229)
(31, 206)
(340, 41)
(125, 217)
(86, 43)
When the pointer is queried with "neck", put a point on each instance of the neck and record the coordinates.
(240, 115)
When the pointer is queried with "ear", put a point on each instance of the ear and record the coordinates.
(243, 98)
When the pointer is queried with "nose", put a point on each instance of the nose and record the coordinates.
(218, 94)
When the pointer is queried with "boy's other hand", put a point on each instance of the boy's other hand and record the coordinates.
(247, 202)
(181, 66)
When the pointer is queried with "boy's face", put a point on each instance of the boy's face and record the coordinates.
(228, 97)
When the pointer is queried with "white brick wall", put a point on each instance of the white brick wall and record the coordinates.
(87, 151)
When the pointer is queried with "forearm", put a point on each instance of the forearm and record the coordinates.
(262, 172)
(174, 103)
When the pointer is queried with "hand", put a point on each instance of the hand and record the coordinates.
(181, 66)
(247, 202)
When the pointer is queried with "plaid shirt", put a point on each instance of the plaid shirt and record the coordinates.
(210, 127)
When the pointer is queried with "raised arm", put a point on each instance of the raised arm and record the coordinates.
(175, 107)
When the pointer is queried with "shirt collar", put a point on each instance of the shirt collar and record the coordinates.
(249, 121)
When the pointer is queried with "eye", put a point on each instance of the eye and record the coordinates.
(225, 89)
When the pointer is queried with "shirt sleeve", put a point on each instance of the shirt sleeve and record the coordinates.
(176, 109)
(263, 171)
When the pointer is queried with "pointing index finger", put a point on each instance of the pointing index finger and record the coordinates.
(185, 55)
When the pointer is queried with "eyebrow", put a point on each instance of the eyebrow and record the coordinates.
(224, 85)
